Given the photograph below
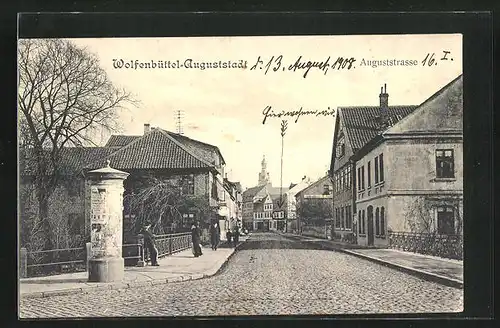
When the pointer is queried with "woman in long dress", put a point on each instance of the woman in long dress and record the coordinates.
(196, 240)
(214, 235)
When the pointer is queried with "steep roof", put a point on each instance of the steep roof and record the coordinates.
(72, 159)
(155, 150)
(120, 140)
(321, 180)
(250, 193)
(201, 149)
(361, 125)
(442, 112)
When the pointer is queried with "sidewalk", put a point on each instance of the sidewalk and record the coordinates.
(181, 266)
(445, 271)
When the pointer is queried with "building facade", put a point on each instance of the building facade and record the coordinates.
(412, 174)
(354, 127)
(196, 168)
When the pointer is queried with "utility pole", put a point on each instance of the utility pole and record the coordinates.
(179, 115)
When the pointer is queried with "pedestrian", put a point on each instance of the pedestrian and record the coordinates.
(214, 235)
(228, 236)
(196, 239)
(149, 243)
(236, 235)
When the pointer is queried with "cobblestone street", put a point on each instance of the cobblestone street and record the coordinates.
(270, 275)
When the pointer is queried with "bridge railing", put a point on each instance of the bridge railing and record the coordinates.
(168, 244)
(66, 260)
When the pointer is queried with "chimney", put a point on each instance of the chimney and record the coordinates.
(147, 128)
(384, 103)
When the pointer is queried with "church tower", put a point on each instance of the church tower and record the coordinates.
(264, 175)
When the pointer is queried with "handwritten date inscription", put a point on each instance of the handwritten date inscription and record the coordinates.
(275, 64)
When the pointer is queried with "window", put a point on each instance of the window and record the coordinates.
(187, 184)
(326, 189)
(359, 179)
(363, 177)
(382, 221)
(381, 167)
(445, 163)
(376, 169)
(369, 172)
(342, 223)
(337, 218)
(359, 223)
(377, 222)
(445, 220)
(341, 146)
(214, 189)
(349, 178)
(363, 220)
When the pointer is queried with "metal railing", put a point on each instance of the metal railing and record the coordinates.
(52, 261)
(63, 260)
(448, 246)
(168, 244)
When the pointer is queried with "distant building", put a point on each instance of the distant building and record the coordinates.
(314, 207)
(410, 176)
(355, 127)
(291, 203)
(264, 206)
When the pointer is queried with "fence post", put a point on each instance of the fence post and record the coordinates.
(23, 263)
(140, 249)
(170, 245)
(88, 253)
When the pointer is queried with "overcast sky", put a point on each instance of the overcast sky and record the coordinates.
(224, 107)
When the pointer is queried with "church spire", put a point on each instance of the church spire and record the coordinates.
(264, 175)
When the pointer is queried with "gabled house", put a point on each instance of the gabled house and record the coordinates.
(196, 167)
(412, 173)
(314, 207)
(354, 127)
(259, 205)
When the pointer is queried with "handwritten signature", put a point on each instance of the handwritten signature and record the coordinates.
(268, 112)
(275, 63)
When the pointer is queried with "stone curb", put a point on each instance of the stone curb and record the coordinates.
(133, 284)
(415, 272)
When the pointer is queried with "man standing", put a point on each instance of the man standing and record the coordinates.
(214, 235)
(149, 243)
(236, 235)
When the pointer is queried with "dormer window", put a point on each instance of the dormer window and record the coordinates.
(341, 146)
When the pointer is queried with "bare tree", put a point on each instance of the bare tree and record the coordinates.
(162, 202)
(64, 97)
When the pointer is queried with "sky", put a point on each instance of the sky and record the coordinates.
(224, 107)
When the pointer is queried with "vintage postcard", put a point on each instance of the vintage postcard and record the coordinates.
(235, 176)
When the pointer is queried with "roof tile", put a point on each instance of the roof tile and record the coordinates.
(361, 123)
